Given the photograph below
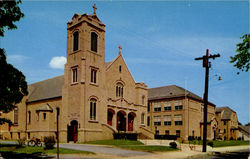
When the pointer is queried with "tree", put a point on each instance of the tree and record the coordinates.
(12, 81)
(242, 58)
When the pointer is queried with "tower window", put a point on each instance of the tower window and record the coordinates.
(93, 109)
(142, 118)
(75, 40)
(16, 116)
(119, 90)
(74, 75)
(29, 117)
(44, 116)
(120, 68)
(93, 75)
(94, 41)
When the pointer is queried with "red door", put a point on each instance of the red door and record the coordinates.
(75, 133)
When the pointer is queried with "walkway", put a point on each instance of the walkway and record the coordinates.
(107, 150)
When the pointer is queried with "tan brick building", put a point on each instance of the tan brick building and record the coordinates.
(227, 123)
(173, 110)
(95, 98)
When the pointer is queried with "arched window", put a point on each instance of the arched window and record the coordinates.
(75, 40)
(143, 99)
(142, 118)
(119, 90)
(92, 109)
(94, 37)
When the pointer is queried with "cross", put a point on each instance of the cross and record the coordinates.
(120, 48)
(94, 7)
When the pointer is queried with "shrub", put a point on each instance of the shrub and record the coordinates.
(210, 143)
(173, 145)
(21, 142)
(49, 142)
(199, 138)
(239, 138)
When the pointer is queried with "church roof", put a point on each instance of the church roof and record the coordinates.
(171, 91)
(47, 89)
(226, 112)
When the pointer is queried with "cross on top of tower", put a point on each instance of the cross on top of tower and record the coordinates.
(95, 8)
(120, 49)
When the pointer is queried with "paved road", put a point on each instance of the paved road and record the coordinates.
(108, 150)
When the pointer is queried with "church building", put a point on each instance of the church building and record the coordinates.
(94, 98)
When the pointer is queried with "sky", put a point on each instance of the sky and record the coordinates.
(159, 40)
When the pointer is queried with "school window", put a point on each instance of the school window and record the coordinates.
(166, 132)
(44, 116)
(142, 118)
(94, 37)
(178, 105)
(75, 40)
(157, 120)
(178, 119)
(157, 107)
(178, 133)
(167, 106)
(119, 90)
(74, 75)
(148, 121)
(167, 120)
(16, 116)
(225, 122)
(93, 109)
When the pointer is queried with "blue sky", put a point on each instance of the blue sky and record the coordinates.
(160, 40)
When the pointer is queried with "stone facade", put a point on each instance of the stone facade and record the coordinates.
(173, 110)
(95, 98)
(227, 124)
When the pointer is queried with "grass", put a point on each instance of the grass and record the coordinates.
(31, 150)
(132, 145)
(222, 143)
(230, 143)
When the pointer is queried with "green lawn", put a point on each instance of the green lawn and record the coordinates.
(132, 145)
(222, 143)
(230, 143)
(30, 150)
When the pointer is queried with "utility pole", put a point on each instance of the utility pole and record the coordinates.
(57, 130)
(207, 65)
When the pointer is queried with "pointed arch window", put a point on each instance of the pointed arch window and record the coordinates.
(92, 109)
(119, 90)
(75, 40)
(94, 41)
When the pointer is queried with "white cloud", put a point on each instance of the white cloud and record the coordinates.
(57, 62)
(15, 58)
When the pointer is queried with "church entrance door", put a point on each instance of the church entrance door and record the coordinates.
(131, 117)
(121, 121)
(73, 131)
(111, 113)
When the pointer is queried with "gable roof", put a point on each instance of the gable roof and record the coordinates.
(47, 89)
(171, 91)
(226, 112)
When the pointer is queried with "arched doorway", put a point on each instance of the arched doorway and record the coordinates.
(73, 131)
(121, 121)
(111, 113)
(131, 117)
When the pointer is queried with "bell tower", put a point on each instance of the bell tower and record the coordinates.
(84, 74)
